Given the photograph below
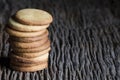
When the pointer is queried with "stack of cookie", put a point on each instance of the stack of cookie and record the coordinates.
(29, 40)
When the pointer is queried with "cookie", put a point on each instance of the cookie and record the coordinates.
(30, 69)
(28, 45)
(21, 64)
(32, 50)
(29, 39)
(33, 17)
(37, 59)
(34, 54)
(26, 28)
(24, 34)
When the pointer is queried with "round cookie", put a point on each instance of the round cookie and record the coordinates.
(30, 69)
(33, 17)
(32, 50)
(37, 59)
(21, 64)
(28, 45)
(26, 28)
(29, 39)
(24, 34)
(34, 54)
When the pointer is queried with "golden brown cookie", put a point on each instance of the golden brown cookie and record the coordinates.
(26, 28)
(30, 69)
(24, 34)
(34, 54)
(32, 50)
(29, 39)
(37, 59)
(33, 17)
(21, 64)
(30, 44)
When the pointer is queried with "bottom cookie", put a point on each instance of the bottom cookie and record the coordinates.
(30, 69)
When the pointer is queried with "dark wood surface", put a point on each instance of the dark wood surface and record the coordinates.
(85, 40)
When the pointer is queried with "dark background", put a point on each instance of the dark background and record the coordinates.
(85, 39)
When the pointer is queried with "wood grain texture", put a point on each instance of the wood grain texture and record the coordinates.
(85, 40)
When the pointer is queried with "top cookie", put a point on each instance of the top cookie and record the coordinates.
(33, 17)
